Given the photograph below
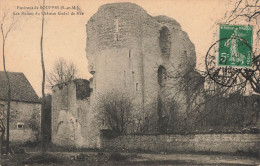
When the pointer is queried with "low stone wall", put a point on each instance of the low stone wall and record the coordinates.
(219, 143)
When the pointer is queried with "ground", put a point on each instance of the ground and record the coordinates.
(110, 158)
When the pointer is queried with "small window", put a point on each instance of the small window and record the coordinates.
(136, 86)
(124, 79)
(20, 126)
(130, 53)
(116, 24)
(117, 28)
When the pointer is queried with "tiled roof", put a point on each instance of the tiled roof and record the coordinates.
(21, 89)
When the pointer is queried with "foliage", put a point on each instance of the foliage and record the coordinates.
(62, 72)
(43, 159)
(5, 31)
(115, 156)
(116, 111)
(33, 122)
(244, 12)
(234, 110)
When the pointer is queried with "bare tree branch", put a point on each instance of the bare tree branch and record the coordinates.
(62, 72)
(116, 109)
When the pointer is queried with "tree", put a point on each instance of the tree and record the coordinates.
(5, 30)
(43, 104)
(115, 110)
(243, 12)
(62, 72)
(227, 85)
(2, 127)
(248, 11)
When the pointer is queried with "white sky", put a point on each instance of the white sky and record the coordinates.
(65, 36)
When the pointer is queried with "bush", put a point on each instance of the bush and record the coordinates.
(30, 143)
(18, 150)
(42, 159)
(80, 157)
(115, 156)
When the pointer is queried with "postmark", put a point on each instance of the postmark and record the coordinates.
(235, 46)
(230, 61)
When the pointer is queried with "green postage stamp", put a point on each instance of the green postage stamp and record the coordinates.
(235, 46)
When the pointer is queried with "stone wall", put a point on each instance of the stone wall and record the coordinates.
(28, 116)
(72, 123)
(221, 143)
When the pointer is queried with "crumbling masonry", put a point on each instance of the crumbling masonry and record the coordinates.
(128, 51)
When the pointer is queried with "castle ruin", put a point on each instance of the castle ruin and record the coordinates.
(131, 52)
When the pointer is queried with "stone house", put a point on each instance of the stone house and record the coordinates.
(25, 107)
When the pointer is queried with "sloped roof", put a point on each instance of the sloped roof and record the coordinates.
(21, 89)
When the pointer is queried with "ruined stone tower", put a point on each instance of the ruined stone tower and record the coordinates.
(130, 51)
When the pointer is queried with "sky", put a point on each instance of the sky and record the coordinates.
(65, 36)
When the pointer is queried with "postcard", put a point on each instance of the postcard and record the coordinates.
(135, 82)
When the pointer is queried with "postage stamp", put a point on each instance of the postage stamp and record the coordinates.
(235, 46)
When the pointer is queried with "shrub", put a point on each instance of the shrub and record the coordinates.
(42, 159)
(115, 156)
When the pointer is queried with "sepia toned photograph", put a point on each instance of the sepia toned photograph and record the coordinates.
(129, 82)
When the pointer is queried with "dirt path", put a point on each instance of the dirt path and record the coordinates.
(104, 159)
(201, 159)
(181, 159)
